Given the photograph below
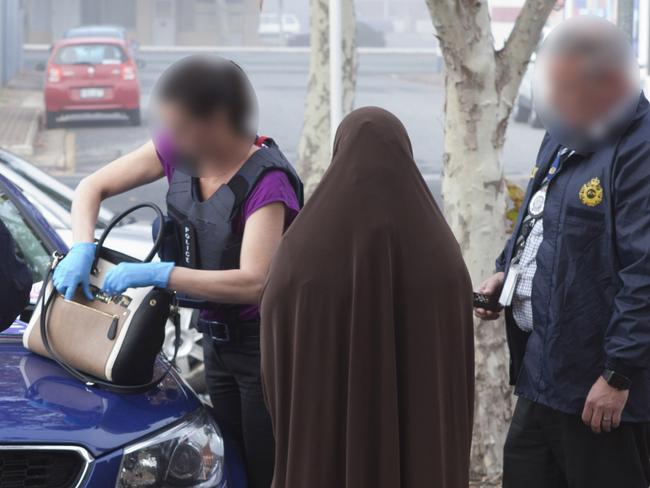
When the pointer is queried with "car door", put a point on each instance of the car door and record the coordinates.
(35, 239)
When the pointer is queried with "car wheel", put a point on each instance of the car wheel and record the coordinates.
(189, 359)
(50, 120)
(134, 117)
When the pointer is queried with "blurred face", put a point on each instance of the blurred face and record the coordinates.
(200, 138)
(581, 95)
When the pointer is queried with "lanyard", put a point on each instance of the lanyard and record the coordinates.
(562, 155)
(531, 219)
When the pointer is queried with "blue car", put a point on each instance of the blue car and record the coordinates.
(57, 433)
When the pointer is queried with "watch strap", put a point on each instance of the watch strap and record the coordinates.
(617, 380)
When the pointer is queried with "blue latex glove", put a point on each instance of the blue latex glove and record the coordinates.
(74, 270)
(133, 275)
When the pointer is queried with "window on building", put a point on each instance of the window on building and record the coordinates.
(185, 15)
(115, 12)
(39, 15)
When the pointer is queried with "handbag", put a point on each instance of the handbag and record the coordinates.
(110, 341)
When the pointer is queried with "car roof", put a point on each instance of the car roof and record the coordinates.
(21, 172)
(97, 28)
(74, 41)
(38, 222)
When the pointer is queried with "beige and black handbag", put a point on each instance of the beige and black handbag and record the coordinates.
(110, 341)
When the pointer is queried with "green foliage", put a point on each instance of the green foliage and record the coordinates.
(515, 200)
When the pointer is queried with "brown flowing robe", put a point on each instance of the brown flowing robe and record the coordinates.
(367, 336)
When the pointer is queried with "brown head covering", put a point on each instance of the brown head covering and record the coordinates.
(367, 339)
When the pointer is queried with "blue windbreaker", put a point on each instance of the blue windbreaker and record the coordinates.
(591, 290)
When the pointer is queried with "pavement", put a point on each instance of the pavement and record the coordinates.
(21, 108)
(18, 128)
(21, 126)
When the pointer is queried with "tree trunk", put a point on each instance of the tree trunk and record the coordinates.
(474, 197)
(481, 86)
(315, 142)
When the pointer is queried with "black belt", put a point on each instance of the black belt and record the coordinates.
(223, 332)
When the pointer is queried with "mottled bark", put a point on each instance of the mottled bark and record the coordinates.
(481, 86)
(314, 147)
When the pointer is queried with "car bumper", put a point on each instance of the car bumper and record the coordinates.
(102, 472)
(116, 98)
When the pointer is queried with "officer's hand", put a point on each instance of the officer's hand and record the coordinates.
(74, 270)
(604, 407)
(491, 286)
(133, 275)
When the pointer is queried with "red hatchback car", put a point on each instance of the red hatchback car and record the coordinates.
(91, 75)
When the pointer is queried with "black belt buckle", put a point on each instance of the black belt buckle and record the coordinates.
(218, 331)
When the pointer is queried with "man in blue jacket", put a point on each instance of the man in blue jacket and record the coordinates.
(575, 276)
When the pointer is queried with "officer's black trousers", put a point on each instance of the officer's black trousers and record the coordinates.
(233, 377)
(549, 449)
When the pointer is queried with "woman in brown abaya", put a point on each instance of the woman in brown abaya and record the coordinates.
(367, 339)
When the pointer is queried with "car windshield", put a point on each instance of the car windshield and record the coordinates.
(29, 246)
(92, 53)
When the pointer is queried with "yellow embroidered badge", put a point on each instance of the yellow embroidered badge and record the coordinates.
(591, 193)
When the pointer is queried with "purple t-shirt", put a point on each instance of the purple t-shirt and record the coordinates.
(273, 187)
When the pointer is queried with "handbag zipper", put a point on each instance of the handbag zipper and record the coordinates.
(112, 329)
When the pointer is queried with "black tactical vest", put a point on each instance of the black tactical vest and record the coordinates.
(205, 228)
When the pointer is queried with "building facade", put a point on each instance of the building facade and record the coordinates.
(402, 15)
(11, 38)
(151, 22)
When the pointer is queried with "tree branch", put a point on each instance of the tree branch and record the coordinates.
(522, 42)
(444, 20)
(463, 29)
(440, 9)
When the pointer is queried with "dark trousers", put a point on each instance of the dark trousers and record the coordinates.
(549, 449)
(233, 378)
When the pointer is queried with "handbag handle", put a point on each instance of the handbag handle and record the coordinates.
(45, 304)
(118, 218)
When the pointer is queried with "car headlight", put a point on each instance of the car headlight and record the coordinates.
(189, 454)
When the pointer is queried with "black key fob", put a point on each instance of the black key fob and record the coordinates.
(487, 302)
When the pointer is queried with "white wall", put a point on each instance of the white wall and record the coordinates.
(11, 39)
(65, 15)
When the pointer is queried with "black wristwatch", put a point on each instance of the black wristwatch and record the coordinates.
(616, 380)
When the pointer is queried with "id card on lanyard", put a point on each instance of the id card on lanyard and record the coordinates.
(534, 214)
(509, 285)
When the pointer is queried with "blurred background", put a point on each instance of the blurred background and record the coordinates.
(76, 77)
(399, 69)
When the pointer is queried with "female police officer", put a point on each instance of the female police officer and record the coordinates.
(231, 196)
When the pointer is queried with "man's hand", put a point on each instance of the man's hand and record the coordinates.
(491, 286)
(604, 407)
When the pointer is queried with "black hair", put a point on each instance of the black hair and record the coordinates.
(203, 85)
